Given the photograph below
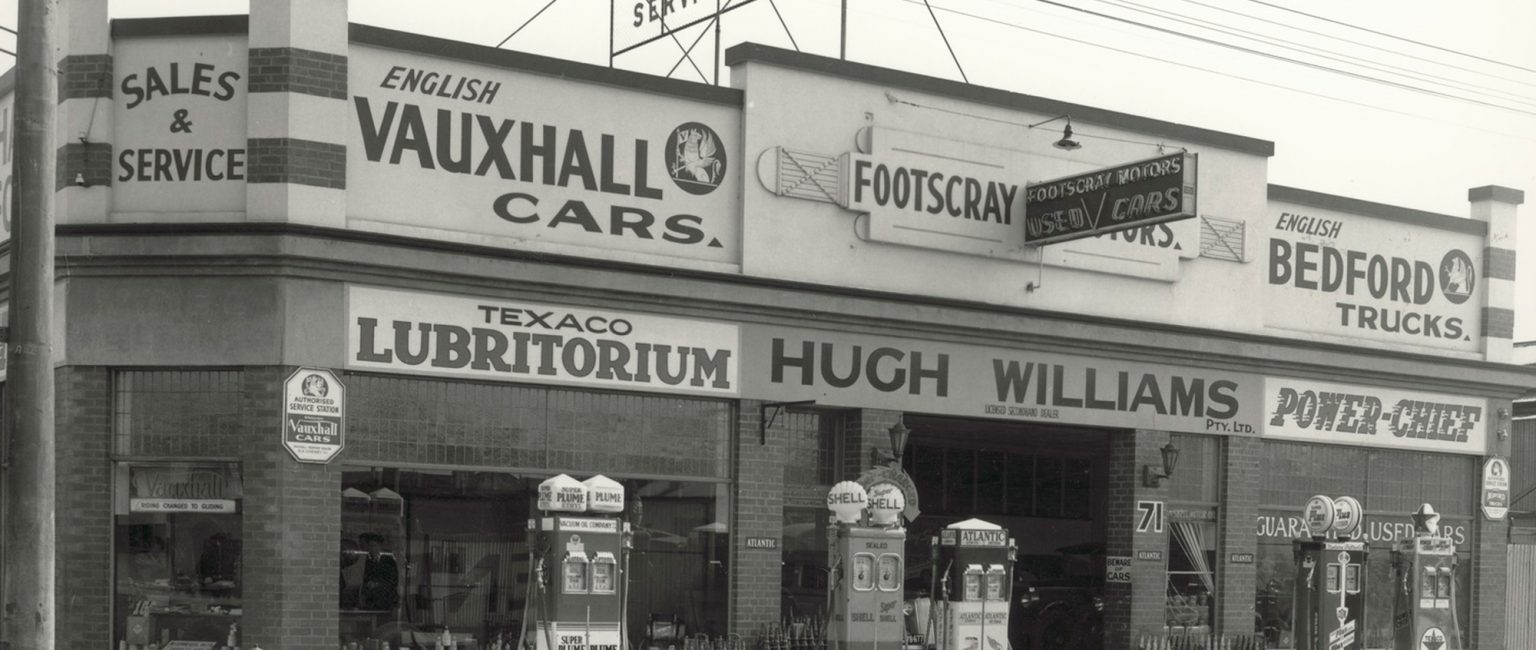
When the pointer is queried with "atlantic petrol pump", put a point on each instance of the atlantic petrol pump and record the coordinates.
(972, 586)
(1328, 610)
(579, 548)
(1424, 600)
(867, 558)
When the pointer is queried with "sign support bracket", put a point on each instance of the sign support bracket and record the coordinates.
(766, 421)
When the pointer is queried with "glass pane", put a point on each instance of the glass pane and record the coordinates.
(928, 474)
(178, 546)
(960, 480)
(991, 483)
(1021, 485)
(804, 585)
(1048, 486)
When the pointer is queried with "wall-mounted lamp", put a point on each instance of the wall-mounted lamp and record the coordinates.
(1066, 142)
(899, 433)
(1154, 476)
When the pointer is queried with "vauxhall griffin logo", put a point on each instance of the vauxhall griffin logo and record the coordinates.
(315, 386)
(695, 158)
(1457, 276)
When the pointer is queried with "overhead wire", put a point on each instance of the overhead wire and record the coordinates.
(1319, 52)
(1212, 71)
(1360, 43)
(1270, 55)
(947, 46)
(525, 24)
(1394, 36)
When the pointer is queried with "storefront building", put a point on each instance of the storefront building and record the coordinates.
(495, 267)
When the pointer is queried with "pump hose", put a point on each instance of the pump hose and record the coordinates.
(1455, 622)
(933, 618)
(522, 631)
(624, 602)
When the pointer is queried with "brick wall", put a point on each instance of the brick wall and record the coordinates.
(291, 160)
(867, 430)
(759, 512)
(92, 161)
(1490, 580)
(1236, 584)
(291, 530)
(1131, 610)
(83, 76)
(83, 523)
(297, 70)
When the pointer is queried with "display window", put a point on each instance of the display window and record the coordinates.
(177, 545)
(1390, 484)
(1194, 490)
(427, 550)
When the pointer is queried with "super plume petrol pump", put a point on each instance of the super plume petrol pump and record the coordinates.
(1424, 598)
(1328, 610)
(973, 584)
(867, 559)
(580, 559)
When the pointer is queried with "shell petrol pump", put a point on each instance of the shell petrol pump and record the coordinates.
(1424, 601)
(580, 559)
(1329, 602)
(867, 574)
(972, 585)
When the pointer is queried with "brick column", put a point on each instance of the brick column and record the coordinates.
(759, 512)
(1132, 610)
(868, 430)
(296, 156)
(83, 568)
(1236, 584)
(291, 529)
(1490, 580)
(83, 175)
(1496, 206)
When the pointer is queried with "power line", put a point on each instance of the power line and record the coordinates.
(1394, 36)
(947, 46)
(1218, 73)
(525, 24)
(1287, 59)
(1359, 43)
(1319, 52)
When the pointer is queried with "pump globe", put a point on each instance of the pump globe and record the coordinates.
(886, 503)
(847, 501)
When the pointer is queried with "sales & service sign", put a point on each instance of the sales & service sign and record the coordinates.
(314, 415)
(497, 157)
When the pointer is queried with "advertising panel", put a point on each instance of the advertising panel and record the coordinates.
(638, 21)
(789, 364)
(1370, 279)
(1386, 418)
(510, 340)
(179, 128)
(1495, 493)
(1133, 195)
(182, 489)
(314, 415)
(495, 157)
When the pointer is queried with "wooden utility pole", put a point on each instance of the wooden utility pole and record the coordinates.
(27, 613)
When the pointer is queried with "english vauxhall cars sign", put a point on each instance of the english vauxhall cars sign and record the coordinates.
(314, 415)
(1109, 200)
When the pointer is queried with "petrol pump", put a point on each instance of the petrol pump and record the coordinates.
(580, 559)
(1424, 602)
(972, 585)
(867, 573)
(1329, 605)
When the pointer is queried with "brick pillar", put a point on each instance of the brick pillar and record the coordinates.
(83, 569)
(868, 430)
(296, 154)
(759, 504)
(1236, 584)
(1490, 580)
(1135, 609)
(83, 175)
(1497, 206)
(292, 531)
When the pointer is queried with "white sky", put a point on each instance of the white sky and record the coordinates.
(1334, 133)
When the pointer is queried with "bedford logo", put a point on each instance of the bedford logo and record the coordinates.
(695, 158)
(315, 386)
(1457, 277)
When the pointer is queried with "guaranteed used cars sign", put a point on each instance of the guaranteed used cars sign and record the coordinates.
(1107, 200)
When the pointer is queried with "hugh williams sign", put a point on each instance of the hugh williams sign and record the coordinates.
(314, 415)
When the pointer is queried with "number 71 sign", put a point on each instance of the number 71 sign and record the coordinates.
(1149, 516)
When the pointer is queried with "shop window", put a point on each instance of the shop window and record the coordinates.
(186, 413)
(982, 483)
(177, 540)
(803, 594)
(1191, 593)
(814, 439)
(424, 551)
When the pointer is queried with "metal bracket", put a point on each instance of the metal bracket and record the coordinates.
(765, 421)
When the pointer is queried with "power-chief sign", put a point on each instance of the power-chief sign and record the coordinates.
(1108, 200)
(314, 415)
